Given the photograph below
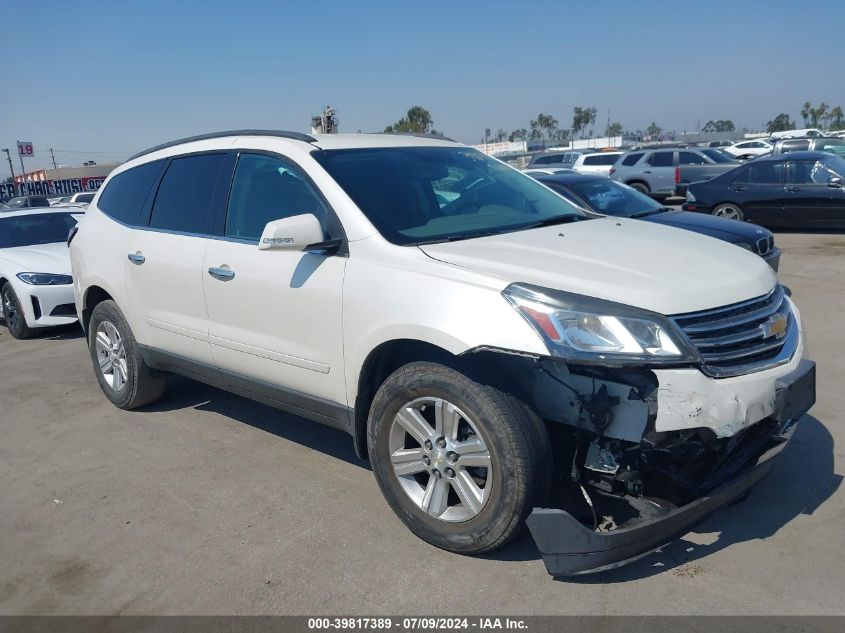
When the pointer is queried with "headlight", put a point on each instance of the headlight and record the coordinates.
(45, 279)
(592, 330)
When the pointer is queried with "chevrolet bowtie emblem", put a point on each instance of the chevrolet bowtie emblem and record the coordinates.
(774, 327)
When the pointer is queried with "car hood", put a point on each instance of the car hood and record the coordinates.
(637, 263)
(44, 258)
(721, 228)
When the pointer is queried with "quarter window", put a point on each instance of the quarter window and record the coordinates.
(691, 158)
(184, 195)
(266, 188)
(125, 195)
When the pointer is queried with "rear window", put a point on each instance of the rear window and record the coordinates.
(126, 193)
(660, 159)
(593, 160)
(795, 146)
(35, 229)
(631, 159)
(184, 195)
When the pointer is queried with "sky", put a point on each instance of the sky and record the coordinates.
(102, 80)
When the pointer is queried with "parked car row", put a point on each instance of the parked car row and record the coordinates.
(502, 351)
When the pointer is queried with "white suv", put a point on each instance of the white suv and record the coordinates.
(598, 163)
(499, 356)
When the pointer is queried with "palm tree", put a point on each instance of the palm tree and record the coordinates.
(836, 116)
(805, 112)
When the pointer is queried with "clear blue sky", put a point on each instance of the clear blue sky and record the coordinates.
(107, 77)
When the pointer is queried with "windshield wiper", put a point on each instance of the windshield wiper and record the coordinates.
(643, 214)
(554, 220)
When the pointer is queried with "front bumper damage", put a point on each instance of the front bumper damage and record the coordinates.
(733, 466)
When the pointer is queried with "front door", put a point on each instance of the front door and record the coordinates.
(275, 321)
(811, 199)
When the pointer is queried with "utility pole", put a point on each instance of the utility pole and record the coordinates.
(11, 167)
(54, 159)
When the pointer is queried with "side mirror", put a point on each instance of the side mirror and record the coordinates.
(292, 234)
(834, 181)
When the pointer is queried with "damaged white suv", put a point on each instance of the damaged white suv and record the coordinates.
(499, 356)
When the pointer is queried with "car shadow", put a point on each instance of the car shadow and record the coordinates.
(183, 393)
(800, 481)
(61, 333)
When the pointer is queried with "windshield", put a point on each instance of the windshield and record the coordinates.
(31, 230)
(613, 198)
(718, 156)
(417, 195)
(836, 164)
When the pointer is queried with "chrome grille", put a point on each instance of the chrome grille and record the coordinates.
(764, 245)
(742, 337)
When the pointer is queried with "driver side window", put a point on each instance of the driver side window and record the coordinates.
(266, 188)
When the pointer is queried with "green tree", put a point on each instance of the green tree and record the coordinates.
(780, 123)
(614, 129)
(806, 109)
(837, 118)
(722, 125)
(518, 135)
(818, 114)
(417, 120)
(582, 118)
(501, 135)
(653, 130)
(547, 124)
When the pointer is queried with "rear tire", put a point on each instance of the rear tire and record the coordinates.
(13, 313)
(641, 187)
(126, 380)
(730, 211)
(473, 465)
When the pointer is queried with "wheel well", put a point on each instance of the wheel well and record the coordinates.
(639, 182)
(390, 356)
(93, 296)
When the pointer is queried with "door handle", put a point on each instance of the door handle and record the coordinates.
(793, 189)
(137, 258)
(646, 171)
(737, 188)
(222, 274)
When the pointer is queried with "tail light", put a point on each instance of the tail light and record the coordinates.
(72, 234)
(677, 175)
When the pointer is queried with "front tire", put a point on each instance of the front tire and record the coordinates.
(730, 211)
(460, 463)
(124, 377)
(13, 313)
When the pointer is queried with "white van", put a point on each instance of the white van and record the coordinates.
(498, 354)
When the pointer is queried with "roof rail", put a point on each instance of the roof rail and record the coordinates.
(297, 136)
(420, 135)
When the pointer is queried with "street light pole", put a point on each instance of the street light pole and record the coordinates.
(11, 167)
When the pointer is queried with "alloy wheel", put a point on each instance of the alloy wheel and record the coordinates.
(111, 356)
(10, 310)
(729, 211)
(440, 459)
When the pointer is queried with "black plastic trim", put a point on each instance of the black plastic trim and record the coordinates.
(296, 136)
(331, 414)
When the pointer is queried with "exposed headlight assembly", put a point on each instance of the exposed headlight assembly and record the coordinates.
(45, 279)
(591, 330)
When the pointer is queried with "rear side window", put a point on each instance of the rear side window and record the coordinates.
(691, 158)
(660, 159)
(126, 193)
(762, 174)
(184, 195)
(594, 160)
(631, 159)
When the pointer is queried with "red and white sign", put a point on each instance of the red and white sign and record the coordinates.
(25, 148)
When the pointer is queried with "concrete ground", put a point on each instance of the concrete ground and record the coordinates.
(207, 503)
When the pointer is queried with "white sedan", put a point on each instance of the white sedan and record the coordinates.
(747, 149)
(36, 287)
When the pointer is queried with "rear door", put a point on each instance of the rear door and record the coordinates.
(164, 260)
(758, 189)
(810, 199)
(659, 171)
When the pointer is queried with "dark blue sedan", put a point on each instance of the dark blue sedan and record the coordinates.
(600, 195)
